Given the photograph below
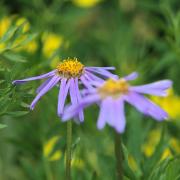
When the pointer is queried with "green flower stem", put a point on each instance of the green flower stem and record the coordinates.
(68, 150)
(47, 168)
(118, 155)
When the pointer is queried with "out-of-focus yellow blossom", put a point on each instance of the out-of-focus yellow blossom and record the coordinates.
(2, 47)
(132, 163)
(55, 156)
(170, 104)
(86, 3)
(49, 147)
(154, 137)
(24, 21)
(31, 47)
(167, 153)
(51, 42)
(4, 25)
(149, 147)
(175, 144)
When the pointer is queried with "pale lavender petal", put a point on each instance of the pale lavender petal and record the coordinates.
(73, 92)
(131, 76)
(43, 76)
(48, 86)
(73, 110)
(102, 115)
(79, 99)
(63, 91)
(120, 121)
(103, 72)
(93, 77)
(92, 81)
(146, 106)
(157, 88)
(107, 68)
(85, 82)
(86, 92)
(110, 114)
(42, 85)
(73, 95)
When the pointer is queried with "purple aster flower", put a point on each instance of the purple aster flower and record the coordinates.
(111, 96)
(67, 75)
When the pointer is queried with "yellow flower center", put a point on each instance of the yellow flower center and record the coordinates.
(114, 88)
(70, 68)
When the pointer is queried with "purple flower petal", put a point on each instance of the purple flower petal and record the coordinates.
(73, 92)
(102, 115)
(107, 68)
(43, 85)
(120, 121)
(103, 72)
(146, 106)
(78, 95)
(92, 80)
(63, 91)
(131, 76)
(85, 82)
(73, 110)
(43, 76)
(93, 77)
(156, 88)
(48, 86)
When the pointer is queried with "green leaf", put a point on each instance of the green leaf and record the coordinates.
(14, 57)
(168, 169)
(29, 38)
(17, 113)
(2, 126)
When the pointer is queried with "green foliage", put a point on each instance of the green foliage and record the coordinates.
(133, 35)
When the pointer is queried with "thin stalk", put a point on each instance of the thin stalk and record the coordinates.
(68, 150)
(48, 172)
(118, 155)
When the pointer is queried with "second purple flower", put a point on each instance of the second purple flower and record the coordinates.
(111, 97)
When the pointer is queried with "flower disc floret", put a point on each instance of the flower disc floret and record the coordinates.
(114, 88)
(70, 68)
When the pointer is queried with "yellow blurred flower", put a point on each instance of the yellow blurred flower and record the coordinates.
(31, 47)
(49, 147)
(51, 42)
(4, 25)
(175, 144)
(86, 3)
(171, 104)
(24, 21)
(149, 146)
(167, 153)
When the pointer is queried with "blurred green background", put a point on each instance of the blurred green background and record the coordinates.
(132, 35)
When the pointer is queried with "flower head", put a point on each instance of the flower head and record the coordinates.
(70, 68)
(67, 75)
(112, 94)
